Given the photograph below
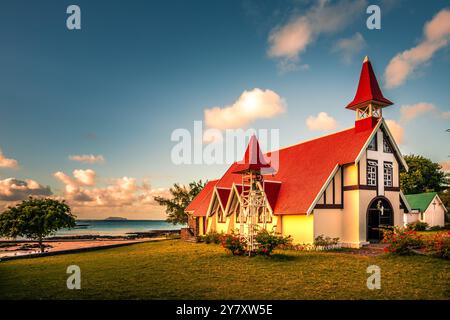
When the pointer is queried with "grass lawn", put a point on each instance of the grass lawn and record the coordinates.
(179, 270)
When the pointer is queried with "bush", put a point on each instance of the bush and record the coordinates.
(401, 240)
(325, 243)
(233, 243)
(268, 241)
(212, 237)
(199, 238)
(417, 226)
(436, 228)
(439, 246)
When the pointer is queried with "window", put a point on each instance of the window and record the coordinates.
(388, 174)
(373, 144)
(372, 172)
(386, 146)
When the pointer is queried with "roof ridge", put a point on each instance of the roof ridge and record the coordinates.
(310, 140)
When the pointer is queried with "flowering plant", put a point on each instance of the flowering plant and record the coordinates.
(233, 243)
(439, 245)
(401, 240)
(268, 241)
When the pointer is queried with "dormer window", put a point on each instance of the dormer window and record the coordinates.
(373, 144)
(386, 146)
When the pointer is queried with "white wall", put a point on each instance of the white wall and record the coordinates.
(435, 215)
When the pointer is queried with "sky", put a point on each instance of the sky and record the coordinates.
(87, 115)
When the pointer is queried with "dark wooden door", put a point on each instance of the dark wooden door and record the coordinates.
(379, 214)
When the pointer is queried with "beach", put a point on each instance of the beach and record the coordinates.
(90, 235)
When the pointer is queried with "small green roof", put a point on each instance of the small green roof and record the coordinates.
(420, 201)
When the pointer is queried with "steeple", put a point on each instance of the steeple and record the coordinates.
(254, 160)
(369, 99)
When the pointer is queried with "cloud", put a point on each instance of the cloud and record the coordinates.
(7, 163)
(85, 177)
(445, 166)
(322, 122)
(349, 47)
(80, 191)
(445, 114)
(409, 112)
(436, 36)
(13, 189)
(80, 178)
(397, 130)
(287, 42)
(250, 106)
(87, 158)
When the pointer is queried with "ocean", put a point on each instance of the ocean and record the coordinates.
(116, 227)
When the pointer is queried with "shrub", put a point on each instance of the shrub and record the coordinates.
(436, 228)
(401, 240)
(233, 243)
(268, 241)
(417, 226)
(199, 238)
(325, 243)
(212, 237)
(439, 245)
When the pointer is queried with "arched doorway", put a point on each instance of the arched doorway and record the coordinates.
(379, 213)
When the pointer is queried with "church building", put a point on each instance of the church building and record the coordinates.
(342, 185)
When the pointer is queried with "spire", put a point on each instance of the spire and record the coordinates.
(254, 159)
(368, 89)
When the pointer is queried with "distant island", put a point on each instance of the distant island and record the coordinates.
(116, 219)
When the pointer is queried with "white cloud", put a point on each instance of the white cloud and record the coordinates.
(251, 105)
(409, 112)
(87, 158)
(397, 131)
(120, 192)
(85, 177)
(349, 47)
(436, 36)
(6, 162)
(13, 189)
(322, 122)
(287, 42)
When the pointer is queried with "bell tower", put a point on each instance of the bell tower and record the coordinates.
(369, 100)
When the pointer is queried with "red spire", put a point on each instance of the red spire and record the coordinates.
(254, 159)
(368, 89)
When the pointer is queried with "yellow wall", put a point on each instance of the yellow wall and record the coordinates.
(300, 227)
(328, 222)
(351, 175)
(200, 225)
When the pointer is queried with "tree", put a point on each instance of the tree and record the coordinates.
(181, 197)
(36, 219)
(424, 175)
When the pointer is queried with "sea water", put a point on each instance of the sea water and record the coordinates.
(116, 227)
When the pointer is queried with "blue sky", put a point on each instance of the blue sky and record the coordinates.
(137, 70)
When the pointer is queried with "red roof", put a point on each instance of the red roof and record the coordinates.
(272, 189)
(302, 171)
(254, 159)
(368, 89)
(203, 197)
(223, 195)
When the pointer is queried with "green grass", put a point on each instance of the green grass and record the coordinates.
(178, 270)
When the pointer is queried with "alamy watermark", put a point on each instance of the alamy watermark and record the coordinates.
(73, 21)
(213, 146)
(374, 280)
(74, 280)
